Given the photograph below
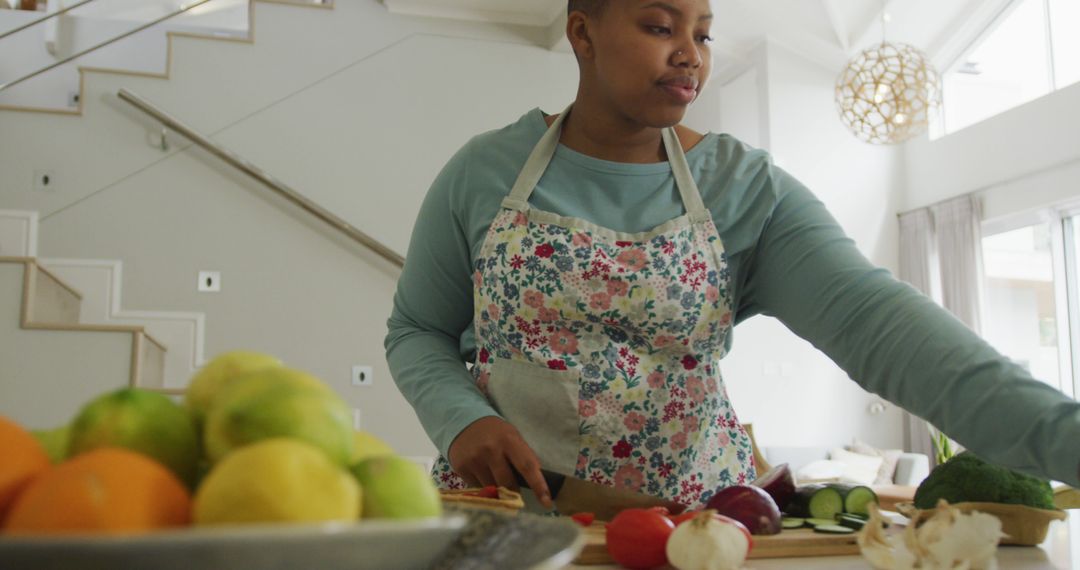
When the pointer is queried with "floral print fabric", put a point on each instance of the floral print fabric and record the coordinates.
(642, 321)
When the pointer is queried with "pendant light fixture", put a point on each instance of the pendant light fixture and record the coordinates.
(886, 93)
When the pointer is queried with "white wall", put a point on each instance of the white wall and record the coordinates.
(1022, 159)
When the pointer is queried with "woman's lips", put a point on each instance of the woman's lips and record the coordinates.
(684, 95)
(682, 89)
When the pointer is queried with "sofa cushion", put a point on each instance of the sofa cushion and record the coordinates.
(889, 457)
(858, 468)
(820, 471)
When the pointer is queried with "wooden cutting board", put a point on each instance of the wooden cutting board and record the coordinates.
(787, 544)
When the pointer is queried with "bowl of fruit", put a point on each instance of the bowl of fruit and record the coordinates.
(257, 467)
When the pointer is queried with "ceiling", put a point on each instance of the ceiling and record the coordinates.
(826, 31)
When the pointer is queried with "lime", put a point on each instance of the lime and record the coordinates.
(55, 442)
(146, 422)
(396, 488)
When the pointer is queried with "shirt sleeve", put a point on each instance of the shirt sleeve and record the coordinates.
(433, 307)
(895, 342)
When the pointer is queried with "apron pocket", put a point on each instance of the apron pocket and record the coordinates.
(543, 405)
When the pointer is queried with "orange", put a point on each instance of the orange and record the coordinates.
(21, 459)
(106, 490)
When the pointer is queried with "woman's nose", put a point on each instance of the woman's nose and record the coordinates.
(687, 56)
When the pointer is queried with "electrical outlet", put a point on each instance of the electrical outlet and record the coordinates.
(362, 375)
(44, 180)
(209, 281)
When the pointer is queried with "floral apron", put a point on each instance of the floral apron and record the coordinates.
(601, 346)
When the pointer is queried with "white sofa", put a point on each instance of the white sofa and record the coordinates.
(911, 468)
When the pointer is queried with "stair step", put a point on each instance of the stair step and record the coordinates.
(100, 282)
(50, 370)
(50, 300)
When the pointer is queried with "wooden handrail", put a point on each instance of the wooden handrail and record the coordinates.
(257, 173)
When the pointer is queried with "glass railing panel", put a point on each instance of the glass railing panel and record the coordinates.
(102, 33)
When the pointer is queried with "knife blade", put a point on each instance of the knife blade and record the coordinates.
(572, 495)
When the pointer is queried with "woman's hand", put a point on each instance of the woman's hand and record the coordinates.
(489, 450)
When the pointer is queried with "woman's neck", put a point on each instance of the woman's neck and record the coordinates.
(598, 131)
(594, 130)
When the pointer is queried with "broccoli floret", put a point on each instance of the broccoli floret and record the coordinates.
(967, 478)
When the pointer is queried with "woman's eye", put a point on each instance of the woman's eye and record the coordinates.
(661, 30)
(705, 38)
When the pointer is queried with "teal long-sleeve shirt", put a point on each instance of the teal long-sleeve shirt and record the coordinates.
(789, 259)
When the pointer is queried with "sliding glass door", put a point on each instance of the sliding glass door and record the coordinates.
(1020, 310)
(1070, 234)
(1031, 300)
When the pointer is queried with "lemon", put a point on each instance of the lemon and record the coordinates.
(366, 445)
(396, 488)
(277, 480)
(146, 422)
(278, 402)
(206, 383)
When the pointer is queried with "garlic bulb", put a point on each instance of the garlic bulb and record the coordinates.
(948, 540)
(706, 542)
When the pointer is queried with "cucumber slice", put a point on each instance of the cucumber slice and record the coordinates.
(833, 529)
(792, 522)
(856, 498)
(816, 501)
(852, 522)
(820, 522)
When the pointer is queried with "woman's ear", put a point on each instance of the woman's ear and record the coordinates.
(577, 31)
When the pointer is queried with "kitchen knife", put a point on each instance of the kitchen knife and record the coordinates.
(572, 495)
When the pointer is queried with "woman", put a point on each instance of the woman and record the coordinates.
(591, 265)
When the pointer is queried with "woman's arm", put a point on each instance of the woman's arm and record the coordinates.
(433, 306)
(898, 344)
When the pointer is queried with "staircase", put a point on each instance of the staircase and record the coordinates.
(64, 329)
(329, 101)
(62, 321)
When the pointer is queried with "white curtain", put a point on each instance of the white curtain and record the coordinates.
(960, 251)
(941, 255)
(918, 252)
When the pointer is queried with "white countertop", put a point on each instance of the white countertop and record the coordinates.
(1060, 551)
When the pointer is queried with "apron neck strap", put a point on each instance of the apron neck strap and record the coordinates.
(544, 150)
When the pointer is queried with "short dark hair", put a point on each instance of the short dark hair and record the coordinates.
(590, 7)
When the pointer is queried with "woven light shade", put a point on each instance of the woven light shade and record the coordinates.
(886, 93)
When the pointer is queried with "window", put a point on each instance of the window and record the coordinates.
(1030, 50)
(1064, 21)
(1031, 301)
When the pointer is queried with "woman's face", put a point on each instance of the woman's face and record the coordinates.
(649, 59)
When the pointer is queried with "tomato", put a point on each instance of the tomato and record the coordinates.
(489, 492)
(637, 538)
(583, 519)
(679, 519)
